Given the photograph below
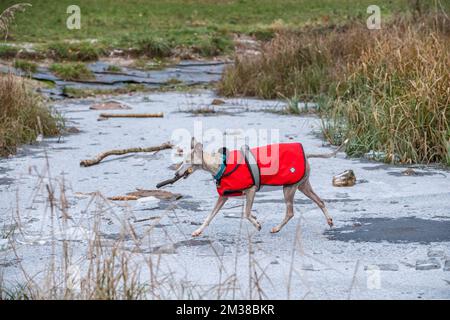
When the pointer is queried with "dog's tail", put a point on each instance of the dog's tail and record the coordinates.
(328, 155)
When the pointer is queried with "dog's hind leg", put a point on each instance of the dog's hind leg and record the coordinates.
(219, 204)
(289, 192)
(249, 197)
(309, 192)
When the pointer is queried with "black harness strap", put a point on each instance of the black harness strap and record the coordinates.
(252, 165)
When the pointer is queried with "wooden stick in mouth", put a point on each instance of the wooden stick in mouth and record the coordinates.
(174, 179)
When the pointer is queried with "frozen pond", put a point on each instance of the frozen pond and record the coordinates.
(391, 240)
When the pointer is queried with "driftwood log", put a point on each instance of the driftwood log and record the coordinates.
(103, 155)
(123, 198)
(131, 115)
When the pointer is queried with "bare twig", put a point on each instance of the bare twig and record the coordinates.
(103, 155)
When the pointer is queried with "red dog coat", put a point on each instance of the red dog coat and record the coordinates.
(278, 164)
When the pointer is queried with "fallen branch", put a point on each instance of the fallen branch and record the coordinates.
(131, 115)
(103, 155)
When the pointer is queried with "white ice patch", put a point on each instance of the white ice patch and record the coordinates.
(148, 200)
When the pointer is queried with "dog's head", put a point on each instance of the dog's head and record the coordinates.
(193, 160)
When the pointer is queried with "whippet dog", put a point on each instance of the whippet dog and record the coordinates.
(198, 159)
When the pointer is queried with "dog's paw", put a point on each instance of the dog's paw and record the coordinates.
(196, 233)
(274, 230)
(330, 222)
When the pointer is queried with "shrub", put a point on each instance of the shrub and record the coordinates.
(82, 51)
(395, 98)
(293, 62)
(8, 52)
(154, 47)
(25, 65)
(211, 46)
(72, 71)
(23, 115)
(386, 90)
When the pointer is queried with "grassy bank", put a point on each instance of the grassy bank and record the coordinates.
(387, 90)
(72, 71)
(162, 27)
(24, 115)
(396, 97)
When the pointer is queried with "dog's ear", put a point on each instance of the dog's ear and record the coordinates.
(198, 147)
(197, 153)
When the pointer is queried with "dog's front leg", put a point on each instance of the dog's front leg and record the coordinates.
(219, 204)
(249, 197)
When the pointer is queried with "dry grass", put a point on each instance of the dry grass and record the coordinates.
(396, 97)
(295, 63)
(23, 116)
(387, 90)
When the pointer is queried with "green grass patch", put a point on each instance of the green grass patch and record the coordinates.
(206, 110)
(215, 45)
(156, 27)
(114, 69)
(72, 71)
(81, 51)
(173, 82)
(25, 65)
(8, 52)
(77, 93)
(153, 47)
(150, 64)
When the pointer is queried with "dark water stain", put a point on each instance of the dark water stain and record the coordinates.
(419, 169)
(116, 236)
(441, 217)
(146, 219)
(5, 180)
(171, 248)
(414, 174)
(378, 167)
(307, 201)
(11, 263)
(192, 243)
(160, 225)
(183, 204)
(400, 230)
(64, 148)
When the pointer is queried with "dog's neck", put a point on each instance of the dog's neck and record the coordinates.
(211, 162)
